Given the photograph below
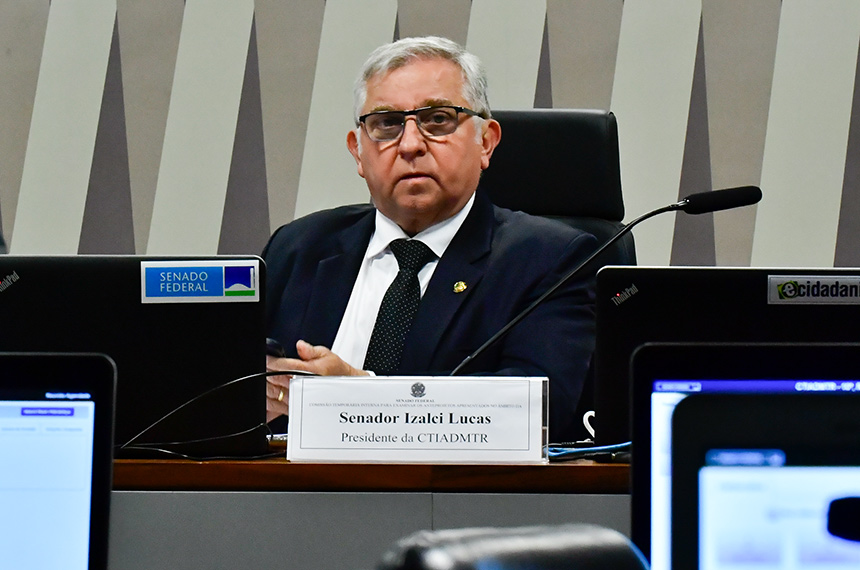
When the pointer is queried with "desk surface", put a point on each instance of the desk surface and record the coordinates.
(281, 475)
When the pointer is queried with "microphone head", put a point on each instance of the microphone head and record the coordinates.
(716, 200)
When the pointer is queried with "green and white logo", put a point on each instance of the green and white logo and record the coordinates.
(813, 290)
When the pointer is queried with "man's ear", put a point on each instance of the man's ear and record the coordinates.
(490, 137)
(353, 146)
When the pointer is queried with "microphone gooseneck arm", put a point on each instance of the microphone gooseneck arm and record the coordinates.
(694, 204)
(527, 311)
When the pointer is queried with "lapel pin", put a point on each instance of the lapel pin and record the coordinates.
(459, 287)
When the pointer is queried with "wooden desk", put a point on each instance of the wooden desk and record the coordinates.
(281, 475)
(180, 514)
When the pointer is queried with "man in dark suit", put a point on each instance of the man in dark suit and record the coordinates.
(423, 135)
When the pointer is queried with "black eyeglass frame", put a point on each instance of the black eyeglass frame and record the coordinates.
(457, 108)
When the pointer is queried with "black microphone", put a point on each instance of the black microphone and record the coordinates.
(700, 203)
(705, 202)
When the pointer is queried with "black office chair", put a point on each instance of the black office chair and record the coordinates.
(561, 547)
(562, 163)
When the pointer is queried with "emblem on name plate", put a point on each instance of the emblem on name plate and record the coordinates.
(418, 390)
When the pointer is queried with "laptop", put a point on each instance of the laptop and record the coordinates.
(664, 374)
(56, 439)
(636, 305)
(185, 333)
(766, 481)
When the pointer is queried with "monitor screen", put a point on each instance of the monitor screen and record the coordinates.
(769, 508)
(56, 427)
(666, 374)
(766, 480)
(639, 305)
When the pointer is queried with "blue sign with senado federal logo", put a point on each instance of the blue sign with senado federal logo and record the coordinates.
(199, 281)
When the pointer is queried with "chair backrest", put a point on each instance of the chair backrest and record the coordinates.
(556, 547)
(562, 163)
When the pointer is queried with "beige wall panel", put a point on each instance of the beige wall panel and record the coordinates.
(22, 33)
(63, 127)
(446, 18)
(807, 133)
(201, 127)
(507, 36)
(149, 39)
(651, 98)
(351, 30)
(288, 35)
(740, 46)
(583, 46)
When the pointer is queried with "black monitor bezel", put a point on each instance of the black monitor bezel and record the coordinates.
(29, 375)
(697, 360)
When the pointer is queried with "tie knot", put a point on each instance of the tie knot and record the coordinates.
(411, 254)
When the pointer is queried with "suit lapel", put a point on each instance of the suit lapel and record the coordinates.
(463, 261)
(333, 282)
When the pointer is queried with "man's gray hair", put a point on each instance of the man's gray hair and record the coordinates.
(402, 52)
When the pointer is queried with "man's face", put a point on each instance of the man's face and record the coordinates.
(416, 180)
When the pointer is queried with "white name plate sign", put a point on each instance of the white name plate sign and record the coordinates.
(417, 419)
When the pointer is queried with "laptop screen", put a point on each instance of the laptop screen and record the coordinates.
(637, 305)
(176, 327)
(666, 374)
(766, 481)
(56, 420)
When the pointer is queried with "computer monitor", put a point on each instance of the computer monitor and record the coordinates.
(56, 428)
(637, 305)
(665, 375)
(766, 481)
(177, 328)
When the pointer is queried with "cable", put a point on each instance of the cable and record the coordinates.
(618, 453)
(203, 439)
(207, 458)
(130, 444)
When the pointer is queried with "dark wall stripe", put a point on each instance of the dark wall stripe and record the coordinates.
(693, 241)
(447, 18)
(245, 225)
(847, 253)
(107, 226)
(543, 90)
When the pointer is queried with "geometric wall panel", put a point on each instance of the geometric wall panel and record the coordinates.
(807, 133)
(62, 134)
(200, 126)
(651, 99)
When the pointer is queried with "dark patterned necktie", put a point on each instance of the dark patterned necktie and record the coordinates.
(398, 308)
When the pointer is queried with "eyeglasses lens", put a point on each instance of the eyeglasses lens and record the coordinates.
(433, 121)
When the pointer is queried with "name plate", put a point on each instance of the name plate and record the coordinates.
(399, 419)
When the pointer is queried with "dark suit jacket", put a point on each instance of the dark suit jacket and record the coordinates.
(506, 259)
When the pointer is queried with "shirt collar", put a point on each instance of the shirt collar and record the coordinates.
(437, 237)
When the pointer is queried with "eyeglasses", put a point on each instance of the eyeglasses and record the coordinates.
(435, 121)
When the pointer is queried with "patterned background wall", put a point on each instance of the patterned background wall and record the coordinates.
(198, 126)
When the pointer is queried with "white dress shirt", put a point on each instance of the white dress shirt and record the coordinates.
(378, 269)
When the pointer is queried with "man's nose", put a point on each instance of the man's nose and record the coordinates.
(412, 140)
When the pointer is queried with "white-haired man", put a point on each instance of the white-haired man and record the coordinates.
(423, 136)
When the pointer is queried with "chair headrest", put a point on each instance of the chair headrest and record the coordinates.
(551, 547)
(561, 162)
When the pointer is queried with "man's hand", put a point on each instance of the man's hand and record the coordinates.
(277, 390)
(315, 359)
